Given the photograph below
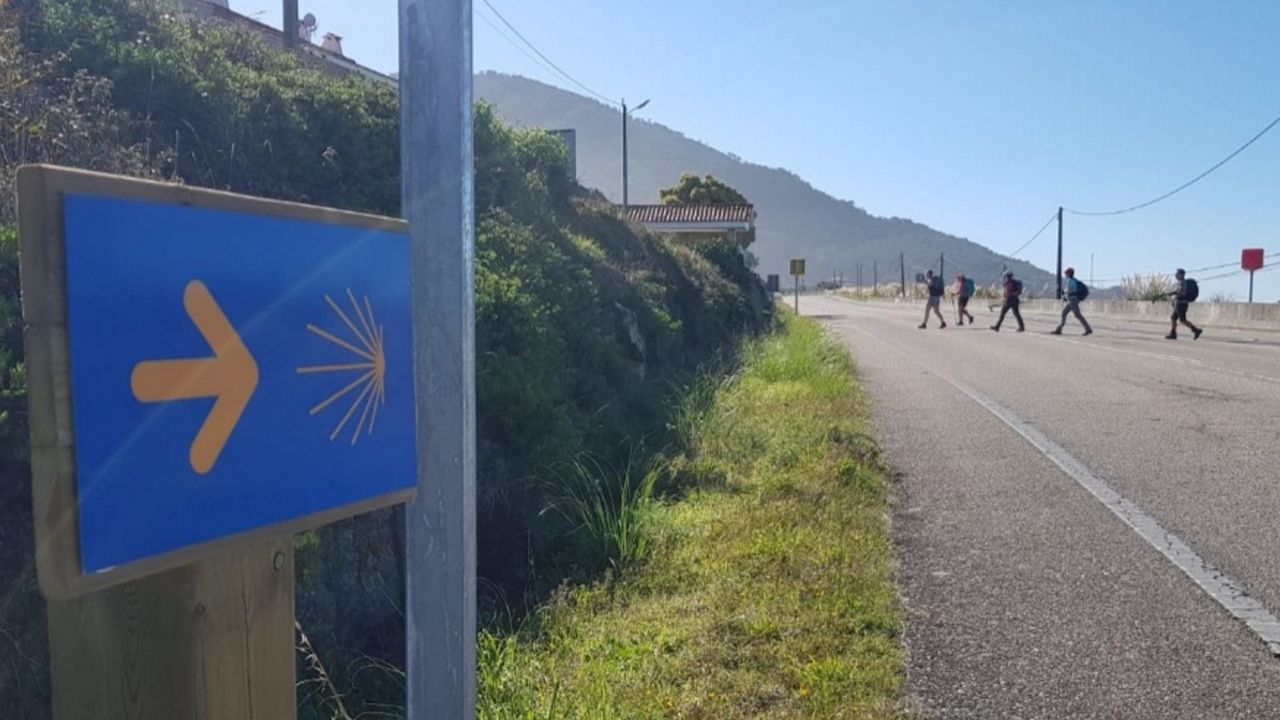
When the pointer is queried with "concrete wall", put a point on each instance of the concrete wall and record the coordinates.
(1243, 316)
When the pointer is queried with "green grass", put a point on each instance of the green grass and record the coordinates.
(768, 588)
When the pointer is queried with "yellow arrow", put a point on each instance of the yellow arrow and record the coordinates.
(231, 375)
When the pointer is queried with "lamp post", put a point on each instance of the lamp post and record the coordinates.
(624, 147)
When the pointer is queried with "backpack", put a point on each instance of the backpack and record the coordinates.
(1017, 288)
(970, 287)
(1082, 290)
(1192, 291)
(936, 287)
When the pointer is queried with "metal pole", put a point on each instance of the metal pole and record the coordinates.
(624, 156)
(1251, 287)
(290, 27)
(902, 268)
(1059, 253)
(437, 174)
(875, 279)
(797, 283)
(1090, 269)
(942, 265)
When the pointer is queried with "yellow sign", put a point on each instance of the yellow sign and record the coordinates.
(231, 376)
(797, 266)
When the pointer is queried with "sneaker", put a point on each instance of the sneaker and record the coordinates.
(960, 323)
(1057, 331)
(996, 328)
(1086, 333)
(1022, 329)
(1195, 334)
(942, 326)
(922, 326)
(1171, 336)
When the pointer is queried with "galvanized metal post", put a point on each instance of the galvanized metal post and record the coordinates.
(437, 172)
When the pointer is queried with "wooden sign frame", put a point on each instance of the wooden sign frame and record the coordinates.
(44, 310)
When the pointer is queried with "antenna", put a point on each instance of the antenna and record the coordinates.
(307, 28)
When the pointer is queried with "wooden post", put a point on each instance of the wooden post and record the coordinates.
(213, 640)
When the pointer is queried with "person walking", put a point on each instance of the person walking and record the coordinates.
(1076, 291)
(934, 303)
(1012, 294)
(963, 292)
(1187, 292)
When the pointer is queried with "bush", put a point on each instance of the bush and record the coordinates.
(1153, 287)
(587, 327)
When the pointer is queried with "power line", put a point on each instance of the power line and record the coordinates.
(1024, 245)
(503, 34)
(1186, 184)
(542, 55)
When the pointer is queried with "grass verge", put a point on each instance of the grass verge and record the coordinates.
(769, 589)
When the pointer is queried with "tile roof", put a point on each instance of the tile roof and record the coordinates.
(691, 213)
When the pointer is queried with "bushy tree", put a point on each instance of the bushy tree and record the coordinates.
(691, 189)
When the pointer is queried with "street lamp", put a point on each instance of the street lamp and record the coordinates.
(624, 148)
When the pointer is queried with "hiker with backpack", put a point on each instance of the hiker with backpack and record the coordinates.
(964, 290)
(1075, 292)
(1187, 292)
(1012, 293)
(934, 303)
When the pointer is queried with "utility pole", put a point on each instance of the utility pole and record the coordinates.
(859, 279)
(624, 148)
(1059, 252)
(875, 279)
(1090, 269)
(902, 268)
(942, 265)
(290, 23)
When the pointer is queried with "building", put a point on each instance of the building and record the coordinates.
(727, 220)
(328, 54)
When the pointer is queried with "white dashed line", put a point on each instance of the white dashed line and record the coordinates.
(1226, 592)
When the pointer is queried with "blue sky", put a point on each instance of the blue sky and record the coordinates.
(977, 118)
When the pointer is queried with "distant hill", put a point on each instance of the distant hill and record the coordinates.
(795, 219)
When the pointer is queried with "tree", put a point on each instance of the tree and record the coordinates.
(706, 190)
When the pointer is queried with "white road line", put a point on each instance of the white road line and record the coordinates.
(1225, 591)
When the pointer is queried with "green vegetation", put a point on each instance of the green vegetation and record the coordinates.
(587, 327)
(693, 190)
(769, 591)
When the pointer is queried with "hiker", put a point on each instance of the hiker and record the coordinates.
(964, 291)
(1012, 292)
(1076, 291)
(1187, 292)
(934, 303)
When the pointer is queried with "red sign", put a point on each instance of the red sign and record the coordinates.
(1251, 259)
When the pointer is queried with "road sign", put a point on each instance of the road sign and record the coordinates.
(797, 266)
(237, 368)
(1252, 259)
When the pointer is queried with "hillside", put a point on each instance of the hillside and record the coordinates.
(795, 219)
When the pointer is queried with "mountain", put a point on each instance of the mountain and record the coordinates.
(794, 219)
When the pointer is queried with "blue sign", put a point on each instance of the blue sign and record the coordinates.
(230, 372)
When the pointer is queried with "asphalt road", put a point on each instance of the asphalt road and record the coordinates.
(1026, 596)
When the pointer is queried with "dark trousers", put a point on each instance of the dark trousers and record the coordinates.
(1073, 306)
(1010, 305)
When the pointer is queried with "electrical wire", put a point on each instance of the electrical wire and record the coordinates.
(511, 41)
(549, 61)
(1024, 245)
(1184, 185)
